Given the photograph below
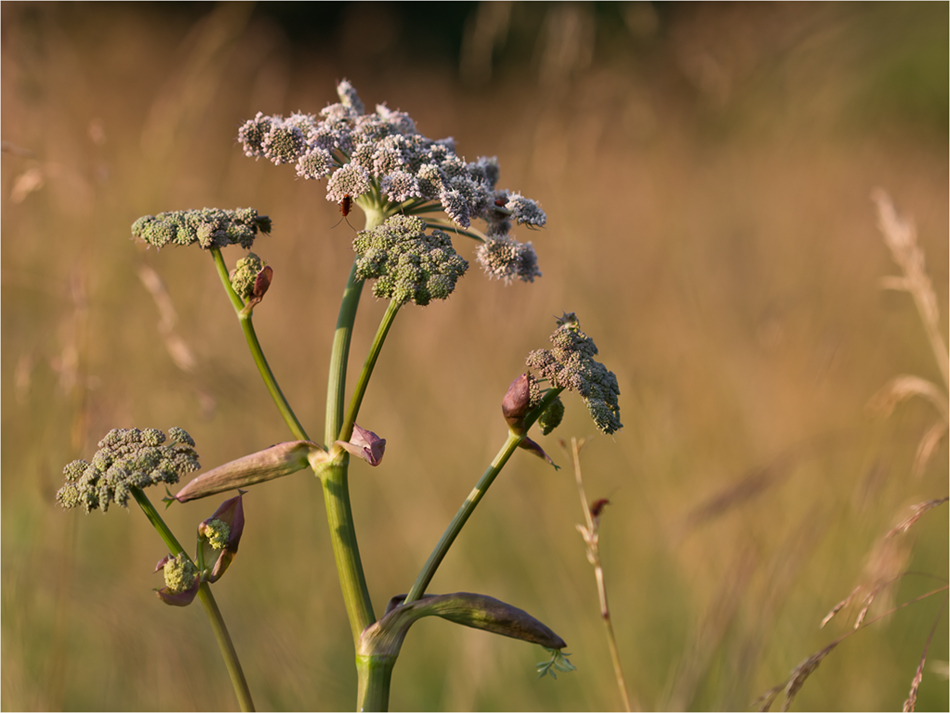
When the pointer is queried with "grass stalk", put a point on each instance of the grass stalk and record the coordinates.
(591, 538)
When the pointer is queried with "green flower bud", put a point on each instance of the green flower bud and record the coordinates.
(182, 580)
(219, 537)
(551, 418)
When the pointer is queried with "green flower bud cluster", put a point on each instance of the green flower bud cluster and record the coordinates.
(383, 153)
(552, 416)
(180, 573)
(244, 275)
(126, 459)
(209, 227)
(217, 532)
(409, 265)
(571, 365)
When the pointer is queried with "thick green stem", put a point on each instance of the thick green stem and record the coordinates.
(375, 674)
(256, 352)
(336, 495)
(218, 626)
(346, 430)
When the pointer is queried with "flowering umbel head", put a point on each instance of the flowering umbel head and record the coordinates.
(409, 264)
(379, 159)
(209, 227)
(571, 365)
(127, 458)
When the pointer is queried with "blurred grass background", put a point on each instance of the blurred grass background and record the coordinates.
(706, 171)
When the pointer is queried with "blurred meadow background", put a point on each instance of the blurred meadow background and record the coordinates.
(706, 171)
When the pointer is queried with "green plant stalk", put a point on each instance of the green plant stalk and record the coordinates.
(471, 502)
(340, 351)
(220, 629)
(461, 517)
(346, 552)
(339, 355)
(375, 674)
(333, 476)
(346, 430)
(257, 353)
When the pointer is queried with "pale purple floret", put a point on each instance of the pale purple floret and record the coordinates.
(382, 151)
(506, 259)
(348, 181)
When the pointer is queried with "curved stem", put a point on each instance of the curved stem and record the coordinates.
(228, 652)
(257, 353)
(346, 430)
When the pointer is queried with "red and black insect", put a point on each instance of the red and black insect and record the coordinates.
(345, 206)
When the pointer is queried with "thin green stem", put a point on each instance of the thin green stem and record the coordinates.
(220, 629)
(461, 517)
(478, 492)
(346, 430)
(339, 355)
(174, 547)
(257, 353)
(228, 651)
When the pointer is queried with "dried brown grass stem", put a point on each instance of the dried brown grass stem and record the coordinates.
(591, 536)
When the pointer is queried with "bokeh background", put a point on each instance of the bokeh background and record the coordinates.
(706, 171)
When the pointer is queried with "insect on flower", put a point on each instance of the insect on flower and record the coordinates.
(345, 206)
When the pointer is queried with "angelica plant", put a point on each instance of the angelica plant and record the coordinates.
(417, 196)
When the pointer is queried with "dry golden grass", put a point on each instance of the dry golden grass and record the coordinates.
(706, 183)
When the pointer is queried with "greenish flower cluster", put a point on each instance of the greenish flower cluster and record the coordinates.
(244, 275)
(217, 533)
(180, 573)
(409, 265)
(126, 459)
(209, 227)
(552, 416)
(571, 365)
